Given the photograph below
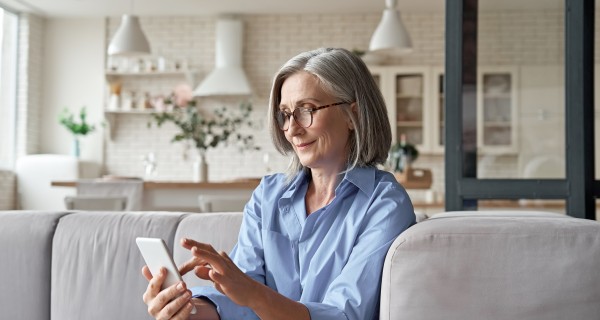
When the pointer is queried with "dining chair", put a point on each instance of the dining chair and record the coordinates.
(96, 203)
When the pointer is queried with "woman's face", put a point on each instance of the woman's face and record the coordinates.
(323, 145)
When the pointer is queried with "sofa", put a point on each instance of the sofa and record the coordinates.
(457, 265)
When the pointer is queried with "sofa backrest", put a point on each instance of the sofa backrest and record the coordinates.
(503, 265)
(217, 229)
(96, 266)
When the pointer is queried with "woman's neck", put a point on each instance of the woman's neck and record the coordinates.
(321, 190)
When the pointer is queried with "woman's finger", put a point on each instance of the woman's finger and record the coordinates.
(154, 286)
(211, 258)
(174, 306)
(190, 265)
(189, 244)
(184, 312)
(146, 273)
(160, 301)
(202, 272)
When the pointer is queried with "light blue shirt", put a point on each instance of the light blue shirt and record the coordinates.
(331, 261)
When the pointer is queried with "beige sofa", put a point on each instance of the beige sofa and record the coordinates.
(463, 265)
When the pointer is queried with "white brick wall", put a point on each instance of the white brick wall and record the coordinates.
(513, 38)
(7, 190)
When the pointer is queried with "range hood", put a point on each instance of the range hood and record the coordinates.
(228, 78)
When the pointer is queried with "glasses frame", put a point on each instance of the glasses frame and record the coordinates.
(301, 109)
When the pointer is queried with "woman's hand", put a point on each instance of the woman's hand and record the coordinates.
(173, 302)
(217, 267)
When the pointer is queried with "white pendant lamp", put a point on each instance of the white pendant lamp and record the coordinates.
(391, 36)
(129, 40)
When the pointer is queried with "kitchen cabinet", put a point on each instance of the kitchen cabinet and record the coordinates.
(497, 110)
(407, 95)
(415, 99)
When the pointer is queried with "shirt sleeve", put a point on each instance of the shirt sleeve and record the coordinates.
(354, 294)
(247, 255)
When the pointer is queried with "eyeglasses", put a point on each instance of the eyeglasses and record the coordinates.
(303, 116)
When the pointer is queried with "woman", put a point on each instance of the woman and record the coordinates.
(313, 241)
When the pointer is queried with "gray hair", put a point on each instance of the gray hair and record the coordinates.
(345, 76)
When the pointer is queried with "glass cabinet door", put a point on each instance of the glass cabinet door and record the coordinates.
(409, 108)
(497, 110)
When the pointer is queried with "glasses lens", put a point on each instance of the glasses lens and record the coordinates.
(282, 120)
(303, 117)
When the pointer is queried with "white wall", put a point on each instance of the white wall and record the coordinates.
(72, 77)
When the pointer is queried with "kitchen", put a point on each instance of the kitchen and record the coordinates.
(67, 65)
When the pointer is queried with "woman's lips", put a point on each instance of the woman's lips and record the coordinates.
(304, 145)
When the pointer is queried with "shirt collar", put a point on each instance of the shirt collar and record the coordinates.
(362, 177)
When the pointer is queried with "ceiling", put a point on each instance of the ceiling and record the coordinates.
(103, 8)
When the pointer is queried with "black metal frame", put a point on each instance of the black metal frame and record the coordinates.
(463, 189)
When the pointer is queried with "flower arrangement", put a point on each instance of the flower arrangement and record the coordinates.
(203, 130)
(81, 127)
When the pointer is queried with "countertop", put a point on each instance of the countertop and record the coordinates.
(218, 185)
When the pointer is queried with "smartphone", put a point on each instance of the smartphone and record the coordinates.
(156, 254)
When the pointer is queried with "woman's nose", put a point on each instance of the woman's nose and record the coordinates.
(294, 128)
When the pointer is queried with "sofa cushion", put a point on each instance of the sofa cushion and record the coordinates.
(218, 229)
(96, 264)
(26, 247)
(503, 265)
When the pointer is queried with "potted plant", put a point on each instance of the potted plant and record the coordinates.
(402, 155)
(204, 130)
(77, 127)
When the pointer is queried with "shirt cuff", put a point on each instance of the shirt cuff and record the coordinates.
(321, 311)
(226, 308)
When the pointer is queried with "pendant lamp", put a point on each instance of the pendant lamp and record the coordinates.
(129, 40)
(391, 36)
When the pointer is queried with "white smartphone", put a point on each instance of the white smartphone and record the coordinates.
(156, 254)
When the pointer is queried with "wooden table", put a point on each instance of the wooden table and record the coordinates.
(183, 195)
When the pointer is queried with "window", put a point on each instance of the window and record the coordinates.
(8, 86)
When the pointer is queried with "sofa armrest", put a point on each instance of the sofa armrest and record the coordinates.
(503, 265)
(25, 259)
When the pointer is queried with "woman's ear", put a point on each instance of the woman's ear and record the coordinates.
(354, 110)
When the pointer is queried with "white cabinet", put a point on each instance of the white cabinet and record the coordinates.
(415, 100)
(407, 96)
(497, 110)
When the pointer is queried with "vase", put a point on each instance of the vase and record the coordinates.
(75, 148)
(200, 168)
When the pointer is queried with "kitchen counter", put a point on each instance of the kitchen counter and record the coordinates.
(185, 195)
(222, 185)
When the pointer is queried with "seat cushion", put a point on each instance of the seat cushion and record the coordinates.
(502, 265)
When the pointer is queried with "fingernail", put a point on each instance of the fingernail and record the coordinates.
(180, 286)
